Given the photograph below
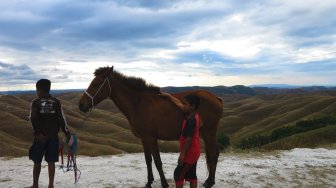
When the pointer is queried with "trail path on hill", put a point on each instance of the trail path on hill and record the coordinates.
(294, 168)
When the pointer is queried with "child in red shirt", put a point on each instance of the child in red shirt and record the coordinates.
(189, 141)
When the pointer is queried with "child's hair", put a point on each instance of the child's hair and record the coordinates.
(193, 100)
(44, 85)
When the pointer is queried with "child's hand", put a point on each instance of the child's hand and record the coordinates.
(42, 138)
(164, 94)
(68, 135)
(181, 159)
(70, 141)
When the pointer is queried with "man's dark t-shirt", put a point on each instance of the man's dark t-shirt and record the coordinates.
(47, 116)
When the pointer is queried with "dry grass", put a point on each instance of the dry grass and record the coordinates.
(316, 138)
(273, 112)
(107, 131)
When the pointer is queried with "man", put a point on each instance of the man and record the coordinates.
(46, 118)
(189, 141)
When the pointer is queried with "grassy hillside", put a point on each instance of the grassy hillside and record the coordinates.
(106, 131)
(323, 137)
(258, 114)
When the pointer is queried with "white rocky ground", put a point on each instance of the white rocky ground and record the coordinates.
(294, 168)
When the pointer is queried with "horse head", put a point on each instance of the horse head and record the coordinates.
(98, 90)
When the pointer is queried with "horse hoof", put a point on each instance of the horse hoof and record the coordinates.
(208, 183)
(165, 185)
(148, 185)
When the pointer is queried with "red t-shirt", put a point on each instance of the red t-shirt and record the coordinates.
(190, 128)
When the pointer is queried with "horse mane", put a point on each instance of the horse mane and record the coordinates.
(135, 83)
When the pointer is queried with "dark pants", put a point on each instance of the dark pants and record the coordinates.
(47, 148)
(185, 172)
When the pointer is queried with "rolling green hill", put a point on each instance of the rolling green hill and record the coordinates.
(259, 115)
(106, 131)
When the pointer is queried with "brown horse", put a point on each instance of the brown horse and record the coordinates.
(154, 117)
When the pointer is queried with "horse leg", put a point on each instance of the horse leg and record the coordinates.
(212, 154)
(158, 164)
(148, 157)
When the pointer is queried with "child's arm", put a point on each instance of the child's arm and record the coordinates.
(184, 150)
(189, 132)
(175, 100)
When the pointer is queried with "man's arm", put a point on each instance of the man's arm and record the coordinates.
(33, 117)
(62, 122)
(175, 100)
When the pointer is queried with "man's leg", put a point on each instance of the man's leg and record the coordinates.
(51, 156)
(36, 174)
(36, 152)
(51, 171)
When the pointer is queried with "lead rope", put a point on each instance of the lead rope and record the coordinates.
(72, 153)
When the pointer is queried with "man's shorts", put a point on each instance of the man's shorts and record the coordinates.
(185, 172)
(49, 149)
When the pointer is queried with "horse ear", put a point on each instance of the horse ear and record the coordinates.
(111, 70)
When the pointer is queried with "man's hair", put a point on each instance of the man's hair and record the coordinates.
(44, 85)
(193, 100)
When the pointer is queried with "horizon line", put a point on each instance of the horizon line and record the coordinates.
(273, 86)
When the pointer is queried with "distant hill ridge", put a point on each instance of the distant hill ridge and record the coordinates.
(246, 115)
(219, 90)
(27, 92)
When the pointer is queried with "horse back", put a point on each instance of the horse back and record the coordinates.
(210, 108)
(159, 117)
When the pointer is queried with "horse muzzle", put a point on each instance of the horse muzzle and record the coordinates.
(84, 107)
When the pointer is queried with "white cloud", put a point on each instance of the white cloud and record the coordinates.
(314, 54)
(243, 48)
(170, 42)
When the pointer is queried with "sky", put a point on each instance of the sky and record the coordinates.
(168, 42)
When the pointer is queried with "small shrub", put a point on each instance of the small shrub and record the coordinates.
(223, 141)
(287, 131)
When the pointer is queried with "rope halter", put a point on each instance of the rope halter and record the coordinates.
(92, 97)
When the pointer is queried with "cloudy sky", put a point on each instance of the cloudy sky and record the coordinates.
(168, 42)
